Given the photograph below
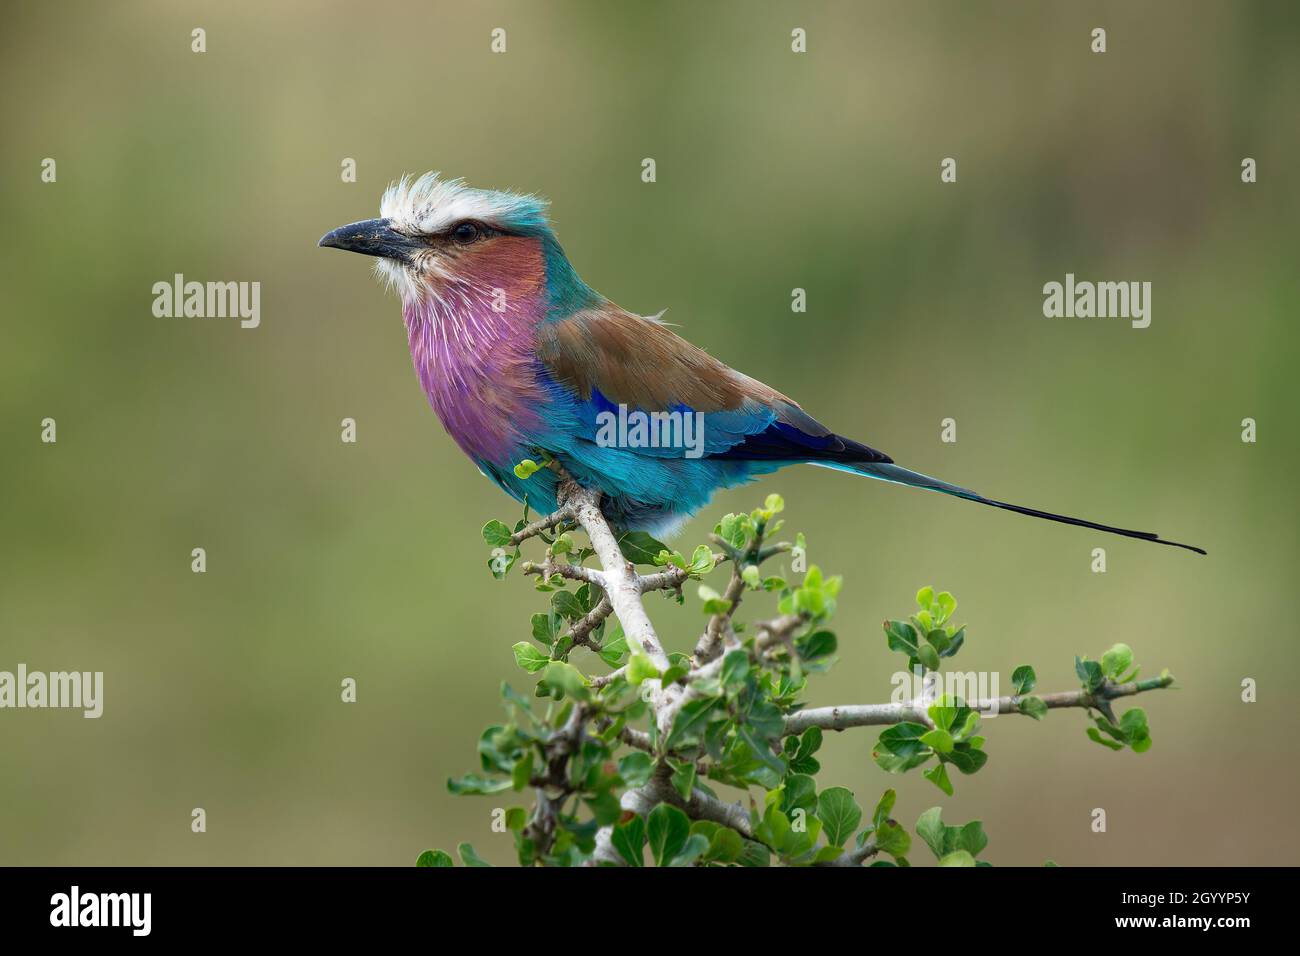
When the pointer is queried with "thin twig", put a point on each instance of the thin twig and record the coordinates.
(581, 630)
(844, 716)
(540, 525)
(574, 572)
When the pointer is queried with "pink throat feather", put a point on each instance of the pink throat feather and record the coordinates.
(473, 353)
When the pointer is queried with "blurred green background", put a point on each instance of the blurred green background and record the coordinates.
(775, 171)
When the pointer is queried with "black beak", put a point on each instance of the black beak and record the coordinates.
(373, 237)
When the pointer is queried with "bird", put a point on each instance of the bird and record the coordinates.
(520, 358)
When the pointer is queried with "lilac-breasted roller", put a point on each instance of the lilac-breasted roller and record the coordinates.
(519, 357)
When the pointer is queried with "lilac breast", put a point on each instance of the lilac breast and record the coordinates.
(477, 367)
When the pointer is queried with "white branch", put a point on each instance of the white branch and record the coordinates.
(853, 715)
(624, 587)
(621, 582)
(700, 806)
(868, 715)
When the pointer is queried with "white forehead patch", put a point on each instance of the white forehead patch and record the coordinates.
(429, 205)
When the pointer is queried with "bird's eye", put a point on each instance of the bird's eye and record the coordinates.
(466, 232)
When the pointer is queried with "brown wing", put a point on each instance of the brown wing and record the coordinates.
(641, 363)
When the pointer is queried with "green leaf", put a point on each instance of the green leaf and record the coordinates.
(674, 674)
(828, 854)
(930, 828)
(526, 468)
(565, 679)
(1089, 672)
(928, 656)
(938, 775)
(964, 723)
(1117, 660)
(972, 838)
(892, 763)
(695, 847)
(945, 841)
(1034, 707)
(683, 778)
(522, 773)
(818, 647)
(938, 740)
(496, 534)
(839, 814)
(640, 668)
(901, 637)
(702, 560)
(635, 769)
(529, 657)
(1095, 736)
(806, 600)
(500, 563)
(469, 857)
(545, 628)
(939, 640)
(966, 757)
(725, 845)
(735, 668)
(690, 721)
(629, 839)
(884, 807)
(1024, 679)
(799, 792)
(733, 529)
(674, 558)
(434, 858)
(1134, 724)
(667, 829)
(958, 637)
(605, 809)
(614, 645)
(891, 838)
(639, 547)
(957, 858)
(947, 605)
(925, 597)
(473, 783)
(754, 854)
(713, 602)
(802, 760)
(516, 819)
(943, 712)
(776, 830)
(904, 739)
(567, 605)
